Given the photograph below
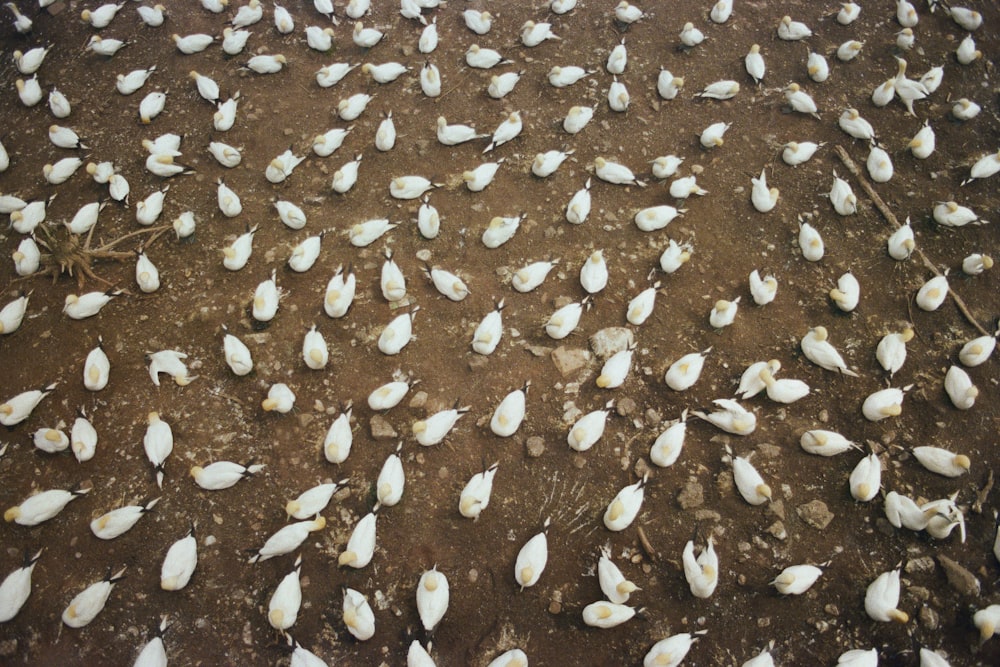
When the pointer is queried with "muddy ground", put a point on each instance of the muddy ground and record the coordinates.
(220, 617)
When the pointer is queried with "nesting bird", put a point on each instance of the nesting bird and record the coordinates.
(796, 579)
(882, 598)
(475, 496)
(621, 511)
(701, 573)
(683, 373)
(730, 417)
(435, 428)
(89, 602)
(532, 558)
(884, 403)
(16, 587)
(287, 539)
(818, 349)
(42, 506)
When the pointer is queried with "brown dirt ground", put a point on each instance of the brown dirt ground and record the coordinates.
(220, 618)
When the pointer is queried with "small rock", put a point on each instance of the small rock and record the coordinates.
(724, 482)
(777, 529)
(692, 495)
(768, 450)
(539, 350)
(305, 418)
(8, 648)
(535, 446)
(625, 407)
(652, 417)
(963, 581)
(607, 341)
(641, 468)
(477, 361)
(707, 515)
(568, 361)
(928, 618)
(777, 508)
(921, 565)
(381, 429)
(832, 610)
(419, 399)
(815, 513)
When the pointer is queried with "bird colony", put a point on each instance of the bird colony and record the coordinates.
(499, 333)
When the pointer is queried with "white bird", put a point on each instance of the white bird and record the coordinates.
(987, 621)
(283, 21)
(616, 369)
(280, 399)
(984, 167)
(882, 599)
(533, 34)
(967, 53)
(800, 101)
(731, 417)
(482, 58)
(720, 90)
(818, 349)
(668, 445)
(763, 198)
(87, 305)
(879, 165)
(669, 652)
(924, 141)
(618, 97)
(248, 14)
(617, 59)
(325, 144)
(389, 395)
(302, 657)
(151, 106)
(179, 563)
(723, 313)
(352, 107)
(851, 122)
(783, 390)
(22, 24)
(950, 214)
(545, 164)
(749, 483)
(691, 36)
(214, 6)
(83, 438)
(65, 137)
(119, 521)
(397, 334)
(603, 614)
(15, 410)
(102, 16)
(364, 37)
(589, 428)
(685, 186)
(475, 496)
(282, 166)
(158, 443)
(170, 362)
(343, 180)
(627, 13)
(105, 46)
(564, 320)
(436, 427)
(903, 512)
(561, 76)
(973, 353)
(330, 75)
(237, 355)
(489, 331)
(791, 31)
(149, 209)
(193, 43)
(152, 16)
(476, 180)
(477, 21)
(941, 461)
(640, 307)
(712, 135)
(385, 72)
(613, 583)
(847, 292)
(313, 500)
(50, 440)
(884, 403)
(561, 6)
(763, 290)
(965, 109)
(849, 12)
(89, 602)
(613, 172)
(288, 539)
(502, 84)
(226, 155)
(932, 293)
(428, 37)
(958, 385)
(849, 50)
(506, 131)
(447, 283)
(530, 276)
(432, 598)
(283, 607)
(577, 118)
(594, 273)
(666, 166)
(754, 63)
(42, 506)
(674, 256)
(891, 350)
(858, 658)
(683, 373)
(391, 480)
(361, 545)
(358, 615)
(16, 587)
(392, 280)
(267, 63)
(410, 187)
(225, 114)
(11, 316)
(810, 242)
(721, 11)
(223, 474)
(153, 653)
(234, 41)
(796, 579)
(866, 478)
(621, 511)
(317, 39)
(701, 573)
(27, 258)
(325, 7)
(134, 80)
(385, 136)
(825, 443)
(578, 207)
(751, 383)
(532, 558)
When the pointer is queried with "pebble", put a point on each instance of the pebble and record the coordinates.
(641, 468)
(535, 446)
(381, 429)
(568, 361)
(921, 565)
(653, 417)
(610, 340)
(419, 399)
(815, 513)
(625, 407)
(963, 581)
(928, 618)
(777, 529)
(691, 496)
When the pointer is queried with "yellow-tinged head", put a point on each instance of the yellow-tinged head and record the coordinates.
(616, 510)
(527, 572)
(14, 512)
(419, 427)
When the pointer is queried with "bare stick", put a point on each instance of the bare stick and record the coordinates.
(888, 215)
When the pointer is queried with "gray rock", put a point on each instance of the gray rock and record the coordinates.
(963, 581)
(569, 361)
(777, 529)
(692, 495)
(535, 446)
(815, 513)
(625, 407)
(382, 429)
(607, 341)
(921, 565)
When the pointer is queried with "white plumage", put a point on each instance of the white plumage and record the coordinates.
(179, 563)
(509, 413)
(89, 602)
(866, 479)
(701, 573)
(361, 545)
(287, 539)
(532, 559)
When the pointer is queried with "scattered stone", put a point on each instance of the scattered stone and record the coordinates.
(928, 618)
(381, 429)
(555, 605)
(535, 446)
(625, 407)
(921, 565)
(724, 483)
(777, 530)
(815, 513)
(777, 508)
(568, 361)
(539, 350)
(653, 417)
(767, 450)
(832, 610)
(691, 496)
(8, 648)
(707, 515)
(419, 399)
(477, 361)
(963, 581)
(607, 341)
